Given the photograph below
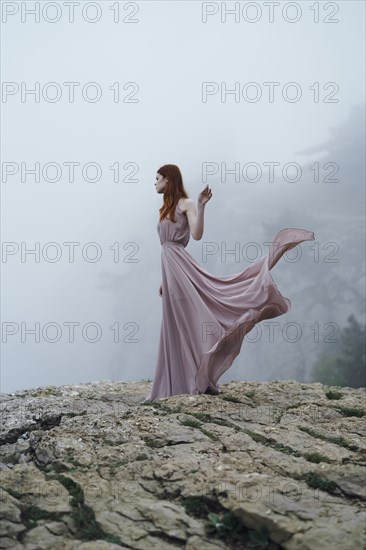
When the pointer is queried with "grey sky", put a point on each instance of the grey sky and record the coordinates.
(169, 53)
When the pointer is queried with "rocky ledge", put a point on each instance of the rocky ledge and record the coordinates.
(263, 466)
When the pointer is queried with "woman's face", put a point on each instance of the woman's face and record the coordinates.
(160, 183)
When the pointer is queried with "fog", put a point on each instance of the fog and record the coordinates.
(162, 70)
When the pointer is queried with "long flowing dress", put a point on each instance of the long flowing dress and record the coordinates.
(205, 317)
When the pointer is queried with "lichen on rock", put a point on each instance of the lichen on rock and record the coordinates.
(268, 466)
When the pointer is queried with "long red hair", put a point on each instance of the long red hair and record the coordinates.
(174, 191)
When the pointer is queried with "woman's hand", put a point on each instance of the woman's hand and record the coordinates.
(160, 290)
(205, 195)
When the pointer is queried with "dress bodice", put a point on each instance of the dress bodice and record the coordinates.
(178, 232)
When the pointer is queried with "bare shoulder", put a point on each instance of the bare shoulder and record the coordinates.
(185, 204)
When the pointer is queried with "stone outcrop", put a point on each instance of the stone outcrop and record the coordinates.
(263, 466)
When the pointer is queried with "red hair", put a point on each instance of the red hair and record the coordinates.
(174, 190)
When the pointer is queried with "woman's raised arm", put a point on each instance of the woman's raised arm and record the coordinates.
(196, 217)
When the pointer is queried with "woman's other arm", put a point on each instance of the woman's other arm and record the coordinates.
(196, 217)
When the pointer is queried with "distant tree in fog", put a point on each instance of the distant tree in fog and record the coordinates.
(345, 366)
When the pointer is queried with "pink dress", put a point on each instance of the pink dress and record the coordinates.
(205, 317)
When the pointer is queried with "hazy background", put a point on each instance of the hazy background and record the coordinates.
(168, 52)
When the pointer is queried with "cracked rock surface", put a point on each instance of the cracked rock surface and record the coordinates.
(263, 466)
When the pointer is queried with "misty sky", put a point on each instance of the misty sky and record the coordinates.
(167, 53)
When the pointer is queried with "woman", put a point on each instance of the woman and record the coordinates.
(205, 317)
